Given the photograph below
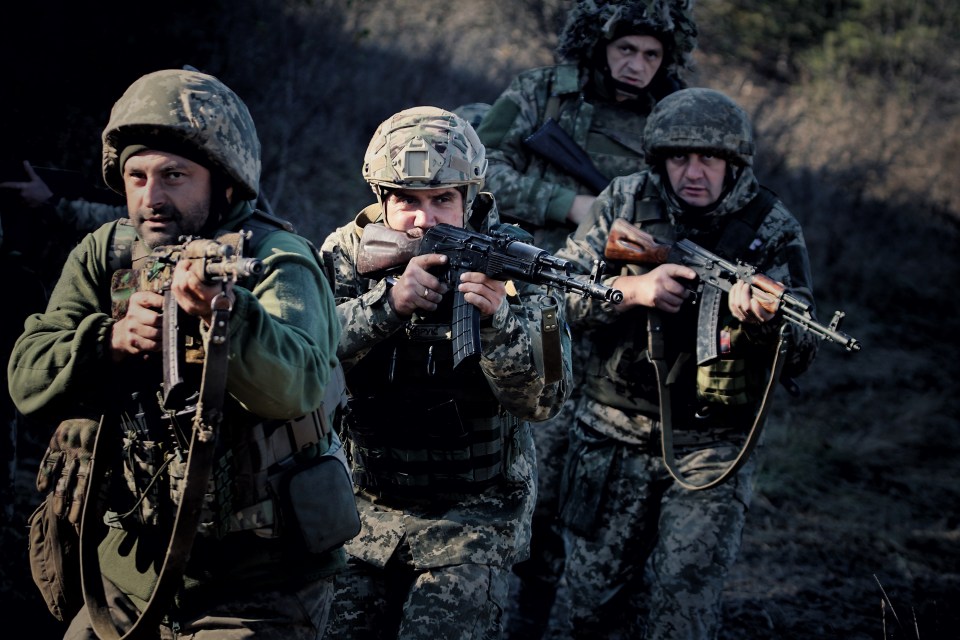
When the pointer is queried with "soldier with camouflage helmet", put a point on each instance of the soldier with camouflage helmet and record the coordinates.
(617, 59)
(442, 457)
(182, 148)
(631, 528)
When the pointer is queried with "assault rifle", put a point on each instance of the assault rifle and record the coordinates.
(499, 255)
(212, 261)
(627, 243)
(551, 142)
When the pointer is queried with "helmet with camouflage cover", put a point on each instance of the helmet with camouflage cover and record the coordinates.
(425, 148)
(188, 113)
(598, 22)
(699, 119)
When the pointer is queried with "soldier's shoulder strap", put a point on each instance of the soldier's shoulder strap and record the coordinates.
(565, 80)
(737, 239)
(261, 224)
(123, 244)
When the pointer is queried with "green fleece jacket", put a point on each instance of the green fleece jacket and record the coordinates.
(283, 346)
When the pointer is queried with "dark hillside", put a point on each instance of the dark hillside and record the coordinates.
(854, 532)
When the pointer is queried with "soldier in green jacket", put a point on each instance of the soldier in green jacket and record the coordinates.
(618, 59)
(182, 147)
(647, 556)
(442, 456)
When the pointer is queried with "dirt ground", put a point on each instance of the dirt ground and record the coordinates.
(854, 528)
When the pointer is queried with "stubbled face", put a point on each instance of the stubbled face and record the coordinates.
(408, 209)
(168, 196)
(634, 60)
(696, 178)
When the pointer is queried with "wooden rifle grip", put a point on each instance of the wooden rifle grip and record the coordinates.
(767, 291)
(627, 243)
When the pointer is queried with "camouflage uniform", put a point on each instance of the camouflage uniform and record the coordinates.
(647, 557)
(281, 358)
(436, 547)
(537, 194)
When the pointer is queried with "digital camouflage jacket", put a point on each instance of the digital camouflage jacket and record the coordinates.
(491, 524)
(530, 188)
(620, 382)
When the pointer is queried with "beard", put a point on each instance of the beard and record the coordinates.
(166, 225)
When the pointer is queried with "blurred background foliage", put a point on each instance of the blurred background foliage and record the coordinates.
(856, 109)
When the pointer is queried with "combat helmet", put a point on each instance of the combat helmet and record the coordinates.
(597, 22)
(192, 114)
(699, 119)
(425, 148)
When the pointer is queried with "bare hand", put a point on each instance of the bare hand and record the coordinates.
(194, 295)
(745, 304)
(483, 292)
(34, 191)
(138, 332)
(665, 288)
(417, 288)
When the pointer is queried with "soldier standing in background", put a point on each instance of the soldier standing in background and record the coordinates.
(647, 556)
(443, 458)
(619, 59)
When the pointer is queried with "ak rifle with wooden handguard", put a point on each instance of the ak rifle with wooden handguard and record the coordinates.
(500, 256)
(211, 261)
(627, 243)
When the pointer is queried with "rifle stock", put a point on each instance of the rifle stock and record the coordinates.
(555, 145)
(499, 255)
(627, 243)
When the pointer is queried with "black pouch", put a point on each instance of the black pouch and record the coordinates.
(318, 498)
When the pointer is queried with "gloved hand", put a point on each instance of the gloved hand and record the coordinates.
(66, 464)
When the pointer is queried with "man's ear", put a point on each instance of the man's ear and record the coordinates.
(230, 194)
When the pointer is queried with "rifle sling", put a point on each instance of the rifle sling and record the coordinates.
(656, 354)
(199, 465)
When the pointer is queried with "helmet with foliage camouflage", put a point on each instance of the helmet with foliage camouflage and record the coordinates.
(594, 22)
(699, 119)
(425, 148)
(188, 113)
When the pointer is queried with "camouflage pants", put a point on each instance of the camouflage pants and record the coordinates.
(463, 601)
(646, 558)
(284, 614)
(535, 585)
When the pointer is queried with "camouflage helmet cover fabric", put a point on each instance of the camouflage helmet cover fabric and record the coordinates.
(592, 22)
(699, 119)
(425, 148)
(178, 110)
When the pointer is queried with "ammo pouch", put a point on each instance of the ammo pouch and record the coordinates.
(317, 497)
(54, 554)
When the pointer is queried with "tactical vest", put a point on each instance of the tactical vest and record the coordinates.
(250, 450)
(729, 385)
(417, 426)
